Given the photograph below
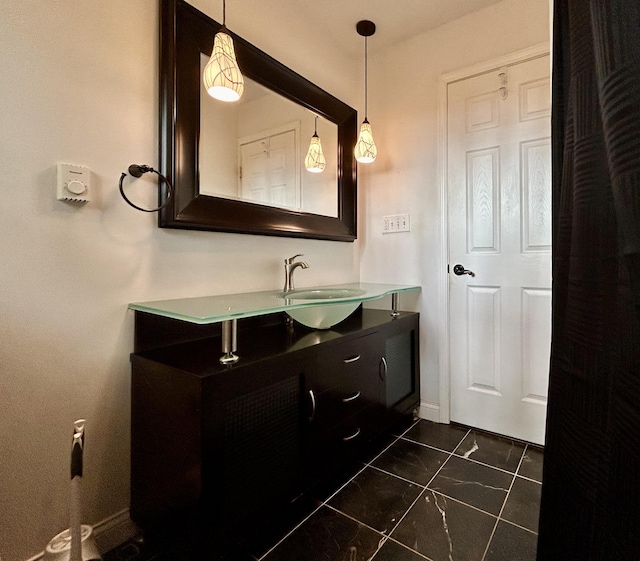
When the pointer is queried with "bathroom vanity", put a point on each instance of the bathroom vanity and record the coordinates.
(226, 440)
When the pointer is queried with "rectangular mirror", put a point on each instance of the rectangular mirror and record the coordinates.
(201, 150)
(266, 163)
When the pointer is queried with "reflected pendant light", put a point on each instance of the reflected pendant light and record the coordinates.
(222, 77)
(315, 160)
(365, 150)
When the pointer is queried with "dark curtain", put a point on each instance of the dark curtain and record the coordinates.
(590, 507)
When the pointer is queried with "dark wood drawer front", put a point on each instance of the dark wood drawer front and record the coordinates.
(344, 441)
(354, 366)
(334, 405)
(350, 381)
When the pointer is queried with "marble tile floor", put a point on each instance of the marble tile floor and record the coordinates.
(436, 492)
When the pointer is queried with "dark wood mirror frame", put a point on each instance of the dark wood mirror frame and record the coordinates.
(185, 33)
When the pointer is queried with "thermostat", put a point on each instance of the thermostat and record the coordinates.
(73, 183)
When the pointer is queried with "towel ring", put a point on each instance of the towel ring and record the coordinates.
(137, 170)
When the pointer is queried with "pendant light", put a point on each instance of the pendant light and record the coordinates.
(365, 150)
(315, 160)
(222, 77)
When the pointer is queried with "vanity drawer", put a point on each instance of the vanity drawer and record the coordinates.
(347, 379)
(350, 364)
(344, 442)
(331, 407)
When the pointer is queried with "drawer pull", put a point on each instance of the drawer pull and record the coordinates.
(313, 406)
(352, 359)
(348, 438)
(383, 370)
(351, 397)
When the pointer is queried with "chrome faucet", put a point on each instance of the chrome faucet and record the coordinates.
(289, 267)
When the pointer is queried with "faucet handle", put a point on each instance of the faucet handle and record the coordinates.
(290, 260)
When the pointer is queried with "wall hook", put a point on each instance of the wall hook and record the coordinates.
(138, 170)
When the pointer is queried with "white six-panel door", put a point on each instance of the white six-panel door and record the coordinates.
(268, 170)
(499, 197)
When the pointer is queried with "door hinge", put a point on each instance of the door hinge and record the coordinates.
(504, 90)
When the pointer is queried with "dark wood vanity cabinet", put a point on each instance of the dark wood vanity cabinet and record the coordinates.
(230, 440)
(233, 439)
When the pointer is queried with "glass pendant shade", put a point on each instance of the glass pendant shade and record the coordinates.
(315, 161)
(365, 150)
(222, 77)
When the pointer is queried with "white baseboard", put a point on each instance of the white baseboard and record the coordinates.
(109, 533)
(429, 411)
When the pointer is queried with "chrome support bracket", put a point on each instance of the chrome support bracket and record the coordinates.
(229, 341)
(394, 305)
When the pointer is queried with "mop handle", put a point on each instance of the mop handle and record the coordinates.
(75, 522)
(77, 445)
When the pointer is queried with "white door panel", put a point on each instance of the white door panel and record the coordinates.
(269, 172)
(499, 173)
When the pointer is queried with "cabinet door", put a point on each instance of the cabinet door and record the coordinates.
(253, 436)
(400, 388)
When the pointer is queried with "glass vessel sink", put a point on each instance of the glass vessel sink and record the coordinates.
(326, 315)
(323, 317)
(321, 293)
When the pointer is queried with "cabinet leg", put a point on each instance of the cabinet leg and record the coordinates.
(394, 305)
(229, 341)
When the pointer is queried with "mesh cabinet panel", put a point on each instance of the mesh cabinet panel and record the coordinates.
(261, 439)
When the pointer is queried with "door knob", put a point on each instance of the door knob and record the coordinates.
(460, 270)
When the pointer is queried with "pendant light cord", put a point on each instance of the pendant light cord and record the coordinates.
(224, 13)
(366, 65)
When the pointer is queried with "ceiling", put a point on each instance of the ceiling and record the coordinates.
(396, 20)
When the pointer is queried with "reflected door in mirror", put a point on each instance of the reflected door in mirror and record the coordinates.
(268, 173)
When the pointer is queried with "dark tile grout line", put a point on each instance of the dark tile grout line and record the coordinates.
(404, 546)
(518, 526)
(506, 498)
(472, 459)
(391, 539)
(384, 537)
(528, 479)
(423, 487)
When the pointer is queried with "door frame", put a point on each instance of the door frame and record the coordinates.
(533, 52)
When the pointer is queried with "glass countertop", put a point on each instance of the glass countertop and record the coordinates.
(223, 307)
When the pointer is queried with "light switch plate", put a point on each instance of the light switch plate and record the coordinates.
(396, 223)
(74, 183)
